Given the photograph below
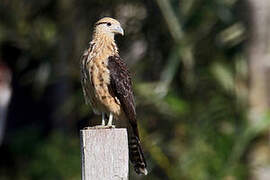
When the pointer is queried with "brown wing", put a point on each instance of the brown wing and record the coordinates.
(85, 79)
(84, 76)
(121, 87)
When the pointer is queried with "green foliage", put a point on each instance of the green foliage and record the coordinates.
(190, 81)
(53, 157)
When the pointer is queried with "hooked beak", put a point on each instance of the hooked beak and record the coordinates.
(119, 30)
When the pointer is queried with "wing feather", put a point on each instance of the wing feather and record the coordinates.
(121, 87)
(85, 79)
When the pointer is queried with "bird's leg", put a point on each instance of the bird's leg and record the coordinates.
(110, 120)
(102, 126)
(103, 119)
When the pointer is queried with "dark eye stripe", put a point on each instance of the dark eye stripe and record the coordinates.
(101, 23)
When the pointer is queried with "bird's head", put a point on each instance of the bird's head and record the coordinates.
(109, 27)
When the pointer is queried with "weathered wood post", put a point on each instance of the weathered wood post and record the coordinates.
(104, 154)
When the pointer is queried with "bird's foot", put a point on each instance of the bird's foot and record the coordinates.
(87, 128)
(111, 126)
(99, 127)
(103, 127)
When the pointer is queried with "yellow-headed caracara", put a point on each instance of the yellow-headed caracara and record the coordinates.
(107, 86)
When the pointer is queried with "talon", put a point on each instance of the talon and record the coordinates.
(100, 127)
(103, 127)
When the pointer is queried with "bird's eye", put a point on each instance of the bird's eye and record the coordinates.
(109, 24)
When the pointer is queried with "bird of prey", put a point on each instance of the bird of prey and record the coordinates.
(107, 87)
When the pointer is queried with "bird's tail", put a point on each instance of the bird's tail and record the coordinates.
(136, 155)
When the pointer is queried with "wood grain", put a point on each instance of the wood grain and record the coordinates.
(104, 154)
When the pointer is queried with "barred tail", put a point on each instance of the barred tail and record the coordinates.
(136, 155)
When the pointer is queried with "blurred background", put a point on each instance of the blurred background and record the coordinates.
(200, 69)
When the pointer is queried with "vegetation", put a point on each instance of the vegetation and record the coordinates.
(190, 74)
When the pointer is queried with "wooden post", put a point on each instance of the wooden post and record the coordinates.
(104, 154)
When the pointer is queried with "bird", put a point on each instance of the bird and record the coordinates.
(107, 87)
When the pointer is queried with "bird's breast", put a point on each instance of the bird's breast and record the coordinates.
(100, 80)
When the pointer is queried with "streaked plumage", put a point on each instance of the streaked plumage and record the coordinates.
(107, 85)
